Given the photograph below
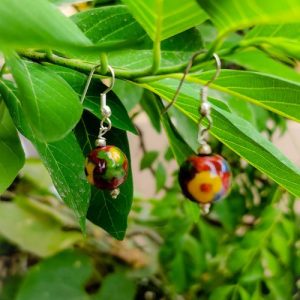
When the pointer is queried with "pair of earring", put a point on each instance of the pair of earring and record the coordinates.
(204, 177)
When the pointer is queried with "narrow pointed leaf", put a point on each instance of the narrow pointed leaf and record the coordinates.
(272, 93)
(237, 134)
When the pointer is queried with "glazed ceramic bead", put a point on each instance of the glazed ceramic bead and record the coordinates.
(205, 178)
(106, 167)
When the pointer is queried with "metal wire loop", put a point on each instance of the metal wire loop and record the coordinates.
(105, 124)
(187, 70)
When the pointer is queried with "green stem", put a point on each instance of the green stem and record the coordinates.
(86, 67)
(104, 63)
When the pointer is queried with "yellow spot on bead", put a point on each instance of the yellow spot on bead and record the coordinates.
(208, 179)
(115, 154)
(89, 166)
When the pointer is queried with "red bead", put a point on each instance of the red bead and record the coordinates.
(106, 167)
(205, 178)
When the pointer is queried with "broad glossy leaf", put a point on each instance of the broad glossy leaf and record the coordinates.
(110, 214)
(65, 163)
(33, 229)
(279, 96)
(60, 277)
(115, 24)
(12, 156)
(32, 23)
(51, 106)
(165, 18)
(63, 159)
(230, 15)
(237, 134)
(256, 60)
(77, 81)
(109, 23)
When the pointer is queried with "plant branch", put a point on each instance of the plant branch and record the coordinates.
(152, 73)
(104, 63)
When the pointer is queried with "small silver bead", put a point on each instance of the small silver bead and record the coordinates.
(205, 208)
(205, 109)
(204, 149)
(100, 142)
(115, 193)
(106, 111)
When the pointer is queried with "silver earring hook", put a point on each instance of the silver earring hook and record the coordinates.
(88, 82)
(186, 71)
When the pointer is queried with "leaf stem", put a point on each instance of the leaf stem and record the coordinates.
(86, 67)
(104, 62)
(156, 44)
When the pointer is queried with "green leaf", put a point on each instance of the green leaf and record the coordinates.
(160, 177)
(110, 214)
(129, 93)
(51, 107)
(109, 23)
(230, 15)
(65, 163)
(151, 111)
(37, 24)
(63, 159)
(257, 60)
(237, 134)
(282, 39)
(12, 156)
(148, 159)
(221, 292)
(179, 148)
(119, 282)
(270, 264)
(61, 277)
(115, 24)
(279, 96)
(59, 2)
(34, 229)
(165, 18)
(77, 81)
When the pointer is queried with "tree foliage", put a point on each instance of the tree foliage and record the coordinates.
(247, 247)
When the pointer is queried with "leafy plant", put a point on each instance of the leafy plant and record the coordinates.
(247, 247)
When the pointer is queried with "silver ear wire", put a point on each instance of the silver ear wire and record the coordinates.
(104, 108)
(88, 82)
(186, 71)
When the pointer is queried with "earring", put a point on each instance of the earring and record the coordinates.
(204, 177)
(106, 166)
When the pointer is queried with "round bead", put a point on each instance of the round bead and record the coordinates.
(106, 167)
(205, 178)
